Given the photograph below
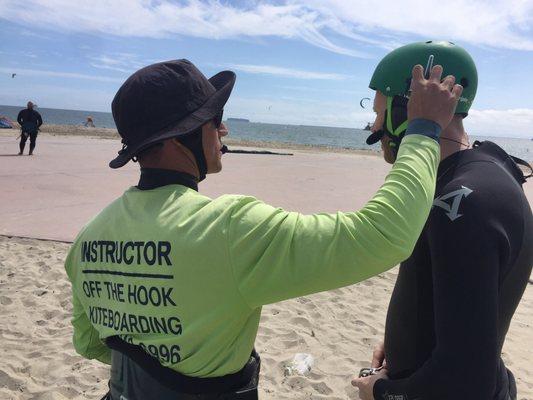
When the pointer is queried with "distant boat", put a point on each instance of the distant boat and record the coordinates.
(238, 120)
(368, 127)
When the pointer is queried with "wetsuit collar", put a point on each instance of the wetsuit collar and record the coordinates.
(152, 178)
(488, 151)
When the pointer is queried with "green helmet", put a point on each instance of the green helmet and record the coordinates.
(392, 76)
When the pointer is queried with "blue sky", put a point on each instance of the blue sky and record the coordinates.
(298, 62)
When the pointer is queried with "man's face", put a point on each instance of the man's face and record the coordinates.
(380, 106)
(212, 146)
(30, 105)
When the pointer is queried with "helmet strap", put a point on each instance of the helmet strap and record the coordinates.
(395, 134)
(390, 128)
(193, 141)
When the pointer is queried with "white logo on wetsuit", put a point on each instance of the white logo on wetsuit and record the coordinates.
(452, 211)
(396, 397)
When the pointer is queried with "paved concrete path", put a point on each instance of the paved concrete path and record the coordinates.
(52, 194)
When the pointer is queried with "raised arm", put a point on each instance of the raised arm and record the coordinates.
(278, 255)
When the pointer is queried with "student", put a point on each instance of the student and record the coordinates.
(456, 294)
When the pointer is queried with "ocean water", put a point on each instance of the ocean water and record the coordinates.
(57, 116)
(349, 138)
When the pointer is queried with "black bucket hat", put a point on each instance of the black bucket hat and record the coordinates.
(165, 100)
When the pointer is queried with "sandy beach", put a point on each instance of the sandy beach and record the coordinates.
(47, 198)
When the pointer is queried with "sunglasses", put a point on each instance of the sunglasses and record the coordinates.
(217, 119)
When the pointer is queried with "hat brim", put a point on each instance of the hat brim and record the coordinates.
(223, 83)
(374, 137)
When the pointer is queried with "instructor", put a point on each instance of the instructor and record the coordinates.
(168, 284)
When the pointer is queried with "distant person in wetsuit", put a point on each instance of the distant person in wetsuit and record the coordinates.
(456, 294)
(29, 121)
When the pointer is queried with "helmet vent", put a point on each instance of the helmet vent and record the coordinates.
(464, 83)
(429, 41)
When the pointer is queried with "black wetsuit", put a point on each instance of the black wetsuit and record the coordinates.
(455, 296)
(30, 121)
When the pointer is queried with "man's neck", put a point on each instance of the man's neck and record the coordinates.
(174, 158)
(453, 139)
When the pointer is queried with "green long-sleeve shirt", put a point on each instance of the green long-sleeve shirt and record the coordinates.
(185, 276)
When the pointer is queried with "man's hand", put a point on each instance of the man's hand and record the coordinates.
(432, 99)
(378, 356)
(366, 385)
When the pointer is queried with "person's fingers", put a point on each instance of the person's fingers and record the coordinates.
(418, 75)
(377, 359)
(357, 382)
(436, 73)
(449, 81)
(457, 91)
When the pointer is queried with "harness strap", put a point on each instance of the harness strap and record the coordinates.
(519, 161)
(515, 160)
(183, 383)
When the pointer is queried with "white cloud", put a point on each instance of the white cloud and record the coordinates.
(121, 62)
(26, 32)
(286, 72)
(510, 123)
(206, 19)
(28, 54)
(498, 23)
(21, 72)
(495, 23)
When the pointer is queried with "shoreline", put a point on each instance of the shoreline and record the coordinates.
(52, 130)
(108, 133)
